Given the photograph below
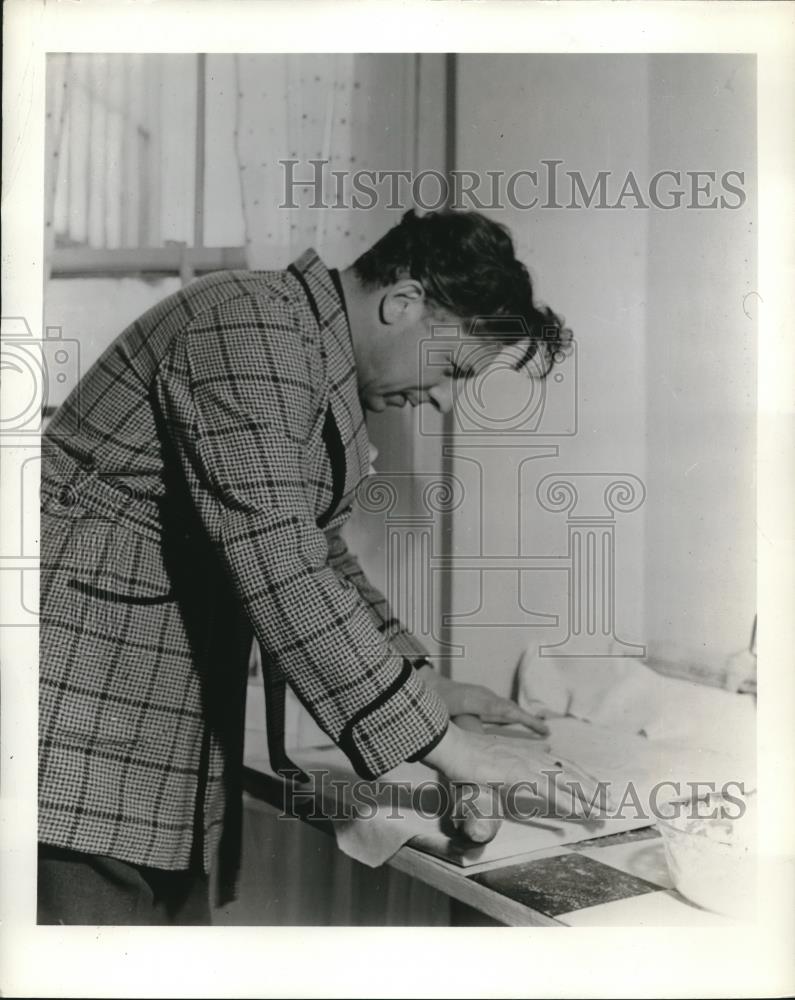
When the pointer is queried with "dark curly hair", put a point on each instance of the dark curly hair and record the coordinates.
(466, 264)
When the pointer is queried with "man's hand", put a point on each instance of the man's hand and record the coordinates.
(464, 756)
(481, 702)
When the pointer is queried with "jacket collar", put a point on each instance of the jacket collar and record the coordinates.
(329, 310)
(337, 345)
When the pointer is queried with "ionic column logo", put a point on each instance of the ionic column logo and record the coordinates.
(591, 501)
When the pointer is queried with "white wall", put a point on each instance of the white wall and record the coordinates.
(701, 371)
(592, 112)
(666, 352)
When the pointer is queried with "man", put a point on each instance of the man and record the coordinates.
(193, 492)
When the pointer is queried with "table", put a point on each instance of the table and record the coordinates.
(616, 880)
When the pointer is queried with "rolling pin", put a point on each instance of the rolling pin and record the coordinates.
(480, 830)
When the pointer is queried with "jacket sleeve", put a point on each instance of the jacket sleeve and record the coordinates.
(240, 398)
(346, 564)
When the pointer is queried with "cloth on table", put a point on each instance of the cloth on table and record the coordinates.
(629, 696)
(375, 819)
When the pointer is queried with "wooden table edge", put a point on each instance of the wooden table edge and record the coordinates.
(416, 864)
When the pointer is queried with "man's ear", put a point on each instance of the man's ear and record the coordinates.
(400, 300)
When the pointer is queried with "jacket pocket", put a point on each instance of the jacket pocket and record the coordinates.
(106, 560)
(109, 622)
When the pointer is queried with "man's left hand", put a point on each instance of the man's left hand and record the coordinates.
(481, 702)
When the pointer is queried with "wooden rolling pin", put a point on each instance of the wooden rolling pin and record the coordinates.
(478, 829)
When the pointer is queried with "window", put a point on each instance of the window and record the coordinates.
(129, 162)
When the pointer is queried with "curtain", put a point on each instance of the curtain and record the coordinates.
(354, 111)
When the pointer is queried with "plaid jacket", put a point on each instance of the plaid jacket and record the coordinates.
(193, 490)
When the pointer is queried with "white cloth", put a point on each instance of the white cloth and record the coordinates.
(629, 696)
(404, 805)
(382, 830)
(627, 725)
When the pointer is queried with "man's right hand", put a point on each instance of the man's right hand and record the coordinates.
(482, 759)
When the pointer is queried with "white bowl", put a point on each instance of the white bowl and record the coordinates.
(712, 858)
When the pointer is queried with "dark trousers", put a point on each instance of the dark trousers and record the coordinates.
(76, 888)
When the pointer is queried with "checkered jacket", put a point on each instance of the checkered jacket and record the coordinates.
(193, 491)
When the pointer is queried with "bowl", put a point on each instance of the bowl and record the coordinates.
(710, 851)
